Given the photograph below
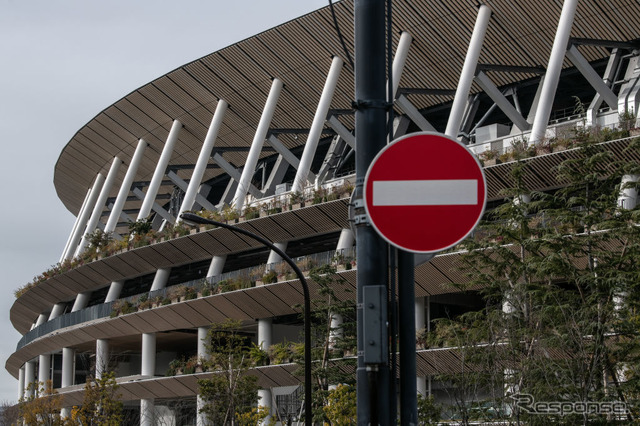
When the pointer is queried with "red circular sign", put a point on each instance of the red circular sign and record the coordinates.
(424, 192)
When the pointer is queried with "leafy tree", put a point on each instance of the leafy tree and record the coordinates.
(230, 391)
(559, 279)
(341, 406)
(255, 416)
(428, 412)
(101, 403)
(43, 407)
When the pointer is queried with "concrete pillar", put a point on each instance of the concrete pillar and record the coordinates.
(30, 384)
(125, 188)
(42, 318)
(468, 71)
(203, 158)
(76, 223)
(275, 257)
(114, 291)
(148, 354)
(421, 381)
(265, 331)
(100, 204)
(160, 279)
(57, 310)
(44, 368)
(256, 145)
(335, 332)
(345, 241)
(83, 217)
(68, 366)
(158, 174)
(21, 386)
(201, 418)
(264, 399)
(147, 409)
(81, 302)
(554, 68)
(300, 180)
(102, 357)
(216, 266)
(628, 198)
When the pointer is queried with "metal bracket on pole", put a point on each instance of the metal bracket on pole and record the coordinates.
(375, 329)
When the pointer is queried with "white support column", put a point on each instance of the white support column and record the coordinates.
(335, 332)
(125, 188)
(68, 366)
(44, 368)
(256, 145)
(57, 310)
(30, 384)
(264, 399)
(21, 385)
(100, 204)
(203, 158)
(147, 411)
(628, 198)
(161, 167)
(160, 279)
(102, 357)
(552, 76)
(81, 302)
(203, 332)
(275, 257)
(83, 218)
(114, 291)
(75, 225)
(217, 265)
(468, 71)
(265, 333)
(300, 181)
(421, 381)
(400, 59)
(345, 241)
(42, 318)
(148, 354)
(496, 96)
(235, 174)
(592, 77)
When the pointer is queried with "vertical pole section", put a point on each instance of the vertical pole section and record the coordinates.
(468, 72)
(161, 167)
(100, 202)
(114, 216)
(318, 124)
(203, 158)
(84, 217)
(550, 82)
(407, 338)
(256, 145)
(371, 137)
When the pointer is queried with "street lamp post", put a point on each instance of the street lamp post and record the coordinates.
(190, 217)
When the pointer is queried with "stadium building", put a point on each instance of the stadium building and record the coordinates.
(263, 132)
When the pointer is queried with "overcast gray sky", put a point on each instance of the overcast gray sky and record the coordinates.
(64, 61)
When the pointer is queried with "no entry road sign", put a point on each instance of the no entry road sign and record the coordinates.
(424, 192)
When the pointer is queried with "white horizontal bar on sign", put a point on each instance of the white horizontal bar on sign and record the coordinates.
(425, 192)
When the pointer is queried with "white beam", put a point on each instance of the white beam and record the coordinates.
(468, 71)
(341, 130)
(180, 183)
(412, 112)
(234, 173)
(155, 206)
(592, 77)
(503, 103)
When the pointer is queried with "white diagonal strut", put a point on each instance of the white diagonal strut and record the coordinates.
(503, 103)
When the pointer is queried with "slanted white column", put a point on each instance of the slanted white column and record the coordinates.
(68, 361)
(42, 318)
(216, 266)
(75, 225)
(100, 203)
(158, 174)
(160, 279)
(592, 77)
(275, 257)
(57, 310)
(114, 291)
(552, 76)
(44, 369)
(345, 241)
(300, 181)
(102, 357)
(628, 198)
(30, 384)
(256, 145)
(125, 188)
(400, 59)
(83, 217)
(147, 409)
(21, 382)
(203, 158)
(148, 354)
(81, 302)
(468, 71)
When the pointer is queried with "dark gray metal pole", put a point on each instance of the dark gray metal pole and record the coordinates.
(371, 249)
(407, 320)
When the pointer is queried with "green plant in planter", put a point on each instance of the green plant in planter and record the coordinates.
(140, 227)
(190, 365)
(230, 213)
(251, 212)
(176, 367)
(258, 356)
(280, 353)
(270, 277)
(319, 196)
(296, 198)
